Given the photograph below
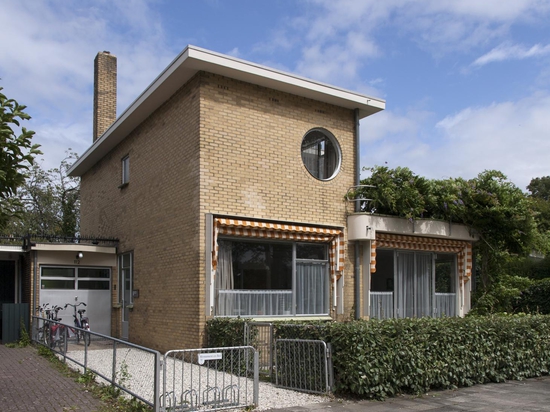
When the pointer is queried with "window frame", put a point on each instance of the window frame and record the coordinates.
(295, 260)
(75, 278)
(452, 258)
(316, 173)
(121, 285)
(125, 171)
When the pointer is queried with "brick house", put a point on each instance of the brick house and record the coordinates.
(224, 182)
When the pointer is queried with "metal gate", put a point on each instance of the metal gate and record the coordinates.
(260, 336)
(303, 365)
(13, 316)
(210, 379)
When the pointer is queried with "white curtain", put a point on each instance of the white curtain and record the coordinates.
(312, 283)
(224, 279)
(423, 287)
(404, 286)
(414, 285)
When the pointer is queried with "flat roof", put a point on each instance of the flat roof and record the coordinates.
(194, 59)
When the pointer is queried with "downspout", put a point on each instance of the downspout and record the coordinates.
(357, 209)
(35, 281)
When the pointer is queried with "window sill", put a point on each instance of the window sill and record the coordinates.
(122, 186)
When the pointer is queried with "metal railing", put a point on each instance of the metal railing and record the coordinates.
(445, 304)
(234, 302)
(381, 305)
(127, 367)
(303, 365)
(210, 379)
(260, 336)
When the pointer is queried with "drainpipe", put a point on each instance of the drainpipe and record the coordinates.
(357, 209)
(35, 281)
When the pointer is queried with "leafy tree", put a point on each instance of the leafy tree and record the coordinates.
(50, 201)
(493, 207)
(16, 157)
(540, 188)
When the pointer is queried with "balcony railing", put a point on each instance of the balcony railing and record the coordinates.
(381, 305)
(254, 303)
(445, 304)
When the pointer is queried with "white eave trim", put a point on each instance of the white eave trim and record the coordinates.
(74, 248)
(194, 59)
(363, 227)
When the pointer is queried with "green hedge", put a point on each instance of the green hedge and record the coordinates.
(380, 358)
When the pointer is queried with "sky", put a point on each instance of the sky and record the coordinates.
(466, 82)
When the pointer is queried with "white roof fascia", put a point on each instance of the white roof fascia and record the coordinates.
(74, 248)
(194, 59)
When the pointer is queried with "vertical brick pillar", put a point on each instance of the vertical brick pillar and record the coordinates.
(105, 73)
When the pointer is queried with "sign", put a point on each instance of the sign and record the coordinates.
(209, 356)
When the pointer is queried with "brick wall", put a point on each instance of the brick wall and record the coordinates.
(105, 80)
(217, 146)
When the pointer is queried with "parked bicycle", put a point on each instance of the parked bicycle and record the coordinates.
(56, 335)
(43, 332)
(81, 323)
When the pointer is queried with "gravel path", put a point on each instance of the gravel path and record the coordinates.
(185, 381)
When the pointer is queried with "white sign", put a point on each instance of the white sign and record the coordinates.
(209, 356)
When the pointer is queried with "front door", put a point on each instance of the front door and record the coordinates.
(126, 280)
(7, 285)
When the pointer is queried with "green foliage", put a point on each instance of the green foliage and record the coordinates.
(224, 332)
(535, 299)
(50, 201)
(16, 155)
(540, 188)
(502, 296)
(490, 205)
(382, 358)
(398, 192)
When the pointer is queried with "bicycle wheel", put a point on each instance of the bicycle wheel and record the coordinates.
(45, 335)
(62, 342)
(78, 333)
(87, 337)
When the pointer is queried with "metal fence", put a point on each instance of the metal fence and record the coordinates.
(130, 368)
(260, 336)
(210, 379)
(304, 365)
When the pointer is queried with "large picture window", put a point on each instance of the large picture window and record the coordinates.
(259, 278)
(410, 284)
(75, 278)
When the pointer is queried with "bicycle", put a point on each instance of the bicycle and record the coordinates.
(57, 332)
(81, 323)
(43, 332)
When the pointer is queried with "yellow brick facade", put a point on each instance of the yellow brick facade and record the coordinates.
(217, 146)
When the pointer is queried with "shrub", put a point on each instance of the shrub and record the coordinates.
(535, 299)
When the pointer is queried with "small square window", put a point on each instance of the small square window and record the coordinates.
(125, 170)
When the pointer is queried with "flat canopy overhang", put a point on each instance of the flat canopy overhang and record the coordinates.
(363, 227)
(193, 60)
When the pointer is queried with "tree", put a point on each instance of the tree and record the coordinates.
(17, 155)
(490, 205)
(540, 188)
(50, 201)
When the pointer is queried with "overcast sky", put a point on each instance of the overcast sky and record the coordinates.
(466, 82)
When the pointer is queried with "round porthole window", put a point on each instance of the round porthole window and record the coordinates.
(321, 154)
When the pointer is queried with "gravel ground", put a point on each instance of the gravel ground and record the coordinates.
(135, 371)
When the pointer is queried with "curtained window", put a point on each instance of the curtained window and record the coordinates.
(261, 278)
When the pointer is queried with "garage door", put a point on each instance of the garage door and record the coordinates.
(60, 285)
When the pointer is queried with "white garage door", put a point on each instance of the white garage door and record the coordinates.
(60, 285)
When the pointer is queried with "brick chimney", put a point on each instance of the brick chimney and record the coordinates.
(104, 92)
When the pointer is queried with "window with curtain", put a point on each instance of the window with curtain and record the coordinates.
(410, 284)
(258, 278)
